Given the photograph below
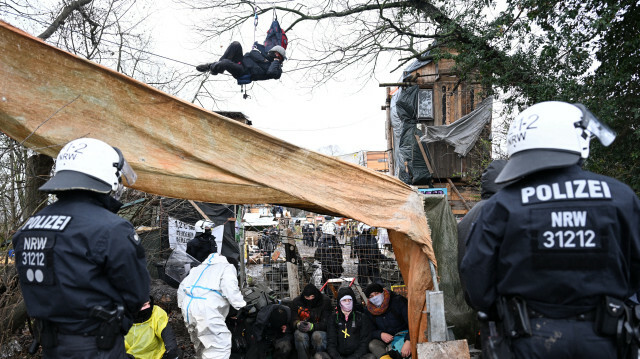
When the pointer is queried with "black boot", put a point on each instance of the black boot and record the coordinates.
(213, 68)
(203, 67)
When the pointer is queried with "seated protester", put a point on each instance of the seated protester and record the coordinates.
(204, 243)
(271, 333)
(310, 311)
(151, 337)
(205, 296)
(348, 330)
(257, 63)
(389, 314)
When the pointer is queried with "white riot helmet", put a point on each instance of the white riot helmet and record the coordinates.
(329, 228)
(203, 225)
(91, 165)
(550, 135)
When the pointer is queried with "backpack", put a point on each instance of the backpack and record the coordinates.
(275, 36)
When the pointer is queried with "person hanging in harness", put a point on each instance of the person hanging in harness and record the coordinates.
(255, 65)
(205, 297)
(204, 243)
(81, 267)
(263, 62)
(554, 255)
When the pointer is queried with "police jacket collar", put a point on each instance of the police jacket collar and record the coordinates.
(103, 200)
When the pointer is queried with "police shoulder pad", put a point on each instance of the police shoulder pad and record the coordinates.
(136, 241)
(135, 238)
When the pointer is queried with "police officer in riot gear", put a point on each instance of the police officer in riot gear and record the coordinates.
(81, 267)
(554, 254)
(204, 243)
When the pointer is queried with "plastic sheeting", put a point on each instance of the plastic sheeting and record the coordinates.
(444, 234)
(218, 213)
(49, 97)
(464, 132)
(410, 165)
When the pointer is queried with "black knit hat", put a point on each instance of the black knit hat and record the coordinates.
(344, 291)
(373, 288)
(310, 289)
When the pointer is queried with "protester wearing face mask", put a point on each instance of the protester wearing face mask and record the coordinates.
(348, 330)
(388, 313)
(310, 311)
(151, 336)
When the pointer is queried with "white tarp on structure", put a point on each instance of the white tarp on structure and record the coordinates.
(258, 220)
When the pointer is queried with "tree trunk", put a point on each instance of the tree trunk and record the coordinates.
(38, 170)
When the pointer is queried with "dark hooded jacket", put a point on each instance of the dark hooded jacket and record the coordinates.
(267, 327)
(357, 326)
(329, 253)
(261, 66)
(366, 248)
(489, 188)
(315, 311)
(394, 320)
(201, 246)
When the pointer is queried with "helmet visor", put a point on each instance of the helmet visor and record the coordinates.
(128, 174)
(597, 128)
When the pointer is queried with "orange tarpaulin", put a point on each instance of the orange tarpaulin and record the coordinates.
(49, 97)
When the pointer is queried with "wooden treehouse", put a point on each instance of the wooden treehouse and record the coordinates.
(448, 129)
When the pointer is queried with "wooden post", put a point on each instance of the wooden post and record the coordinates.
(389, 134)
(292, 265)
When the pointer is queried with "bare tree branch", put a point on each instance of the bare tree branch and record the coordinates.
(66, 12)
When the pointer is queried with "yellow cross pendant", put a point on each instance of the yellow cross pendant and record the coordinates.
(345, 333)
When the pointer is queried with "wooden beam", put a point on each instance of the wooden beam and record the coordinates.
(424, 154)
(455, 189)
(200, 211)
(393, 84)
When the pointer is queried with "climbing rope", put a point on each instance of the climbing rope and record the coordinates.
(255, 21)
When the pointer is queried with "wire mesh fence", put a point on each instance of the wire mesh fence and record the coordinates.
(327, 261)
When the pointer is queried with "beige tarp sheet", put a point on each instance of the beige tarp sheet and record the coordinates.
(49, 97)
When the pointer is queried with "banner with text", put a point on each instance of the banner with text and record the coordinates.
(180, 233)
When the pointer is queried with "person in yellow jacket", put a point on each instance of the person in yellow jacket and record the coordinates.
(151, 337)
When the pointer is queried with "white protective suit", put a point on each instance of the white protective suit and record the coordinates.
(204, 297)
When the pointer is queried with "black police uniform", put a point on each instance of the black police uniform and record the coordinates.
(72, 256)
(201, 246)
(561, 239)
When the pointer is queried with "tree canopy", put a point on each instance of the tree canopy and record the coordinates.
(528, 50)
